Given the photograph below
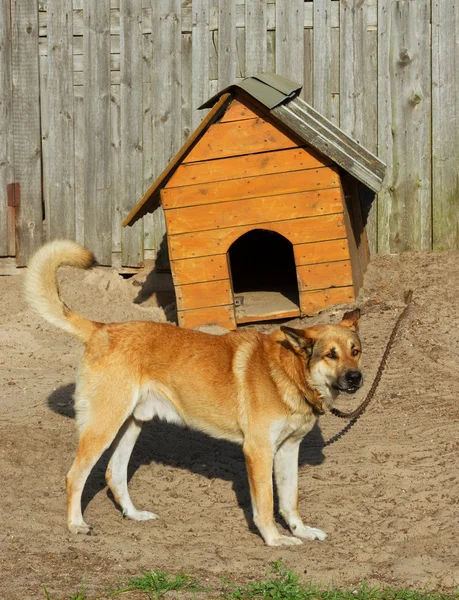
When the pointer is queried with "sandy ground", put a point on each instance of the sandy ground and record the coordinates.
(387, 493)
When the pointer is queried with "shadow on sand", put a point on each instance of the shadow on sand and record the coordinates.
(183, 448)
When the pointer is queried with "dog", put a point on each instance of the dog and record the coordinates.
(262, 391)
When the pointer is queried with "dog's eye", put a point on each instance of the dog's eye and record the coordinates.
(355, 352)
(331, 355)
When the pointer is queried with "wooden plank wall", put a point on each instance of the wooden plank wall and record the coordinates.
(106, 92)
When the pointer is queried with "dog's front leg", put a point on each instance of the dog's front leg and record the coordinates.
(286, 472)
(259, 461)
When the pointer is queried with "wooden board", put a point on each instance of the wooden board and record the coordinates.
(199, 60)
(97, 164)
(250, 187)
(445, 124)
(60, 219)
(131, 129)
(239, 137)
(26, 126)
(196, 270)
(227, 57)
(251, 211)
(7, 239)
(404, 207)
(223, 316)
(256, 15)
(240, 110)
(322, 57)
(290, 39)
(251, 165)
(313, 301)
(297, 231)
(324, 275)
(202, 295)
(321, 252)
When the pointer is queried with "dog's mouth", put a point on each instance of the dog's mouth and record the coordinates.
(346, 388)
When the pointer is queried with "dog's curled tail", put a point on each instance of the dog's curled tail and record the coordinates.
(41, 287)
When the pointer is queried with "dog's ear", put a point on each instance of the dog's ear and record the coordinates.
(351, 319)
(298, 339)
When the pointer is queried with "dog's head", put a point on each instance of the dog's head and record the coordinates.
(332, 355)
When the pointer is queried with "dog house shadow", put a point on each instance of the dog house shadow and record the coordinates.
(183, 448)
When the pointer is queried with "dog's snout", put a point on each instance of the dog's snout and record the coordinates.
(354, 377)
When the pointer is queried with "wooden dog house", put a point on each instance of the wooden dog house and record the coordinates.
(262, 209)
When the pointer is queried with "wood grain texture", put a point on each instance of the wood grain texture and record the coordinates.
(295, 159)
(325, 137)
(240, 109)
(404, 207)
(256, 36)
(290, 39)
(227, 52)
(165, 76)
(200, 60)
(297, 231)
(358, 88)
(60, 221)
(250, 211)
(7, 241)
(203, 295)
(319, 252)
(79, 139)
(250, 187)
(322, 57)
(445, 123)
(324, 275)
(26, 125)
(98, 201)
(197, 270)
(131, 173)
(313, 301)
(223, 316)
(242, 137)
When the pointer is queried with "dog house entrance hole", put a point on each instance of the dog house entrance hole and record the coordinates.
(263, 273)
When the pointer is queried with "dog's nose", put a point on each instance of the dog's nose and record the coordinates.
(354, 377)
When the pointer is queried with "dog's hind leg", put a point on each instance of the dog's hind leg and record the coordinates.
(96, 436)
(116, 475)
(286, 472)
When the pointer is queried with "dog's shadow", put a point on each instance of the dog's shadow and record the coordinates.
(183, 448)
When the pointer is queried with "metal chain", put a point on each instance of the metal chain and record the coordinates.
(357, 413)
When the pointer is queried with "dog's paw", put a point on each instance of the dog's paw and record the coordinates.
(140, 515)
(285, 540)
(80, 528)
(309, 533)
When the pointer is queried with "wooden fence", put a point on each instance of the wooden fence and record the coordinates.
(97, 97)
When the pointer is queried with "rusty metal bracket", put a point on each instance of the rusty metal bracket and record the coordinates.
(14, 194)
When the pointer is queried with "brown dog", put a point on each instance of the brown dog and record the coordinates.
(261, 391)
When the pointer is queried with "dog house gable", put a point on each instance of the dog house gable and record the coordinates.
(248, 176)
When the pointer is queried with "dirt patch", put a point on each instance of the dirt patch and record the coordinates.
(387, 493)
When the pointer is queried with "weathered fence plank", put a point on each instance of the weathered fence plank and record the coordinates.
(166, 101)
(131, 174)
(79, 137)
(7, 241)
(445, 123)
(60, 188)
(290, 39)
(405, 139)
(26, 124)
(322, 57)
(98, 201)
(227, 55)
(358, 89)
(199, 60)
(255, 37)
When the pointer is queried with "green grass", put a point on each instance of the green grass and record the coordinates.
(156, 584)
(279, 583)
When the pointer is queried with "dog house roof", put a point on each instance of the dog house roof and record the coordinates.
(279, 98)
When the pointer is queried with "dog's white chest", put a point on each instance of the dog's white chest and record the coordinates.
(294, 427)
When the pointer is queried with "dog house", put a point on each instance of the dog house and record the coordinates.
(262, 209)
